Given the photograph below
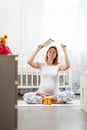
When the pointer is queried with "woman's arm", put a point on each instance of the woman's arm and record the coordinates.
(32, 57)
(39, 47)
(67, 61)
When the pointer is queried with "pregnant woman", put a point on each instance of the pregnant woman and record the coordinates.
(49, 73)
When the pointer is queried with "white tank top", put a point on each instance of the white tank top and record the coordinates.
(48, 79)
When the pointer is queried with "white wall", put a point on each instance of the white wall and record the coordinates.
(83, 33)
(79, 57)
(32, 24)
(51, 19)
(83, 24)
(10, 21)
(60, 20)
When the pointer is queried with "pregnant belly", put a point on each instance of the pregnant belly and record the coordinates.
(48, 88)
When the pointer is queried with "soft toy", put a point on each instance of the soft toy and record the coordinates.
(3, 48)
(47, 101)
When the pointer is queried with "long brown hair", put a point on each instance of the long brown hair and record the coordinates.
(55, 62)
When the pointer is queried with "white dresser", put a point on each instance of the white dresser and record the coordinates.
(83, 88)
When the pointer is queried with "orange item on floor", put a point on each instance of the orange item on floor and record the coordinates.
(47, 101)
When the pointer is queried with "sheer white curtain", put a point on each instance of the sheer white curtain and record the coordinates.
(55, 19)
(31, 24)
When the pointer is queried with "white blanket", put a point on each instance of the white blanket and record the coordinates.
(21, 103)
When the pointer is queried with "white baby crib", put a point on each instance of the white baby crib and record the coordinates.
(29, 78)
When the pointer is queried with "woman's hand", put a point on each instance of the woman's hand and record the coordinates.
(67, 61)
(39, 47)
(63, 46)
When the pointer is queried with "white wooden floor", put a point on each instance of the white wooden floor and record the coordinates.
(51, 118)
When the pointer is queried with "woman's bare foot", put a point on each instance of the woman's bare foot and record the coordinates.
(57, 102)
(40, 94)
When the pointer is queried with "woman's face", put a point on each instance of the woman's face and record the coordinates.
(52, 53)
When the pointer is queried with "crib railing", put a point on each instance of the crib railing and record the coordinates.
(30, 78)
